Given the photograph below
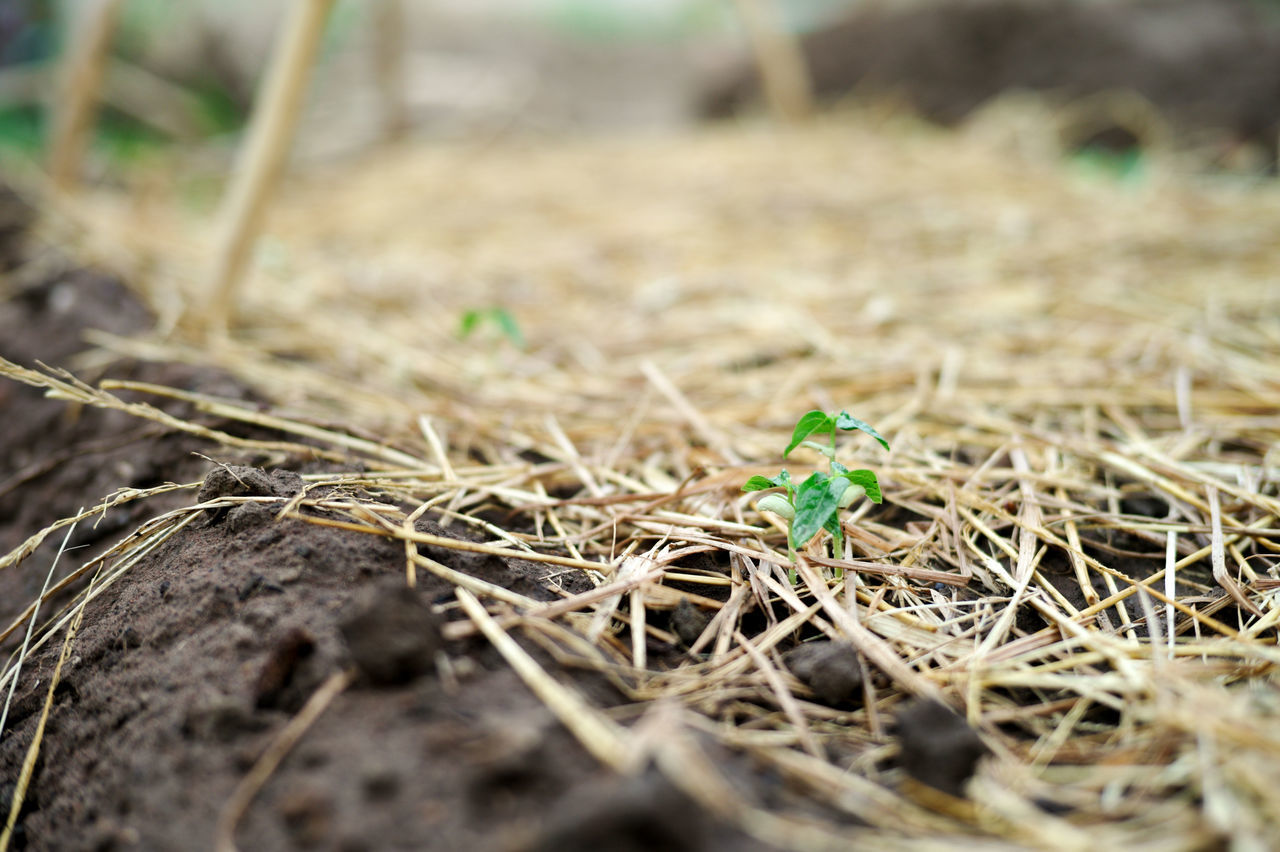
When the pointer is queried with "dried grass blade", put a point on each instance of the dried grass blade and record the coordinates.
(386, 528)
(33, 751)
(1219, 558)
(603, 738)
(786, 700)
(691, 414)
(31, 626)
(639, 643)
(59, 384)
(872, 646)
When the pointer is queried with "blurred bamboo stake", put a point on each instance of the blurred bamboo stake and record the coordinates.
(783, 72)
(389, 49)
(262, 155)
(81, 75)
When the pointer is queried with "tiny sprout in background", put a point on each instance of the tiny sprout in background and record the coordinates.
(499, 318)
(815, 504)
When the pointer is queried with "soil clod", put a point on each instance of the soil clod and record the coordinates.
(242, 481)
(831, 669)
(393, 635)
(937, 747)
(688, 622)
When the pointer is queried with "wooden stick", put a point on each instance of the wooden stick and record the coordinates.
(83, 69)
(262, 155)
(783, 72)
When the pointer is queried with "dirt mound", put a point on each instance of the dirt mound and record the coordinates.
(189, 665)
(57, 458)
(1207, 64)
(187, 668)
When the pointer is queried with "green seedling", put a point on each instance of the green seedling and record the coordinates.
(500, 318)
(816, 503)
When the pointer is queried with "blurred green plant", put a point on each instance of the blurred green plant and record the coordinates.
(497, 317)
(1127, 166)
(30, 39)
(22, 128)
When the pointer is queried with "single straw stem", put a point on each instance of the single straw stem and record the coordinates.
(83, 69)
(1170, 584)
(262, 155)
(31, 622)
(783, 72)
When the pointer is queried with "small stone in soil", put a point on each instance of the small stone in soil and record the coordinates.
(688, 622)
(393, 635)
(831, 669)
(938, 748)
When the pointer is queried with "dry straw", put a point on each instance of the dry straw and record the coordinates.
(1080, 380)
(81, 76)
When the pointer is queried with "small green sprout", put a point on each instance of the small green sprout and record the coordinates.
(815, 504)
(500, 318)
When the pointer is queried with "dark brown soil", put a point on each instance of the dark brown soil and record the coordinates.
(1207, 64)
(191, 663)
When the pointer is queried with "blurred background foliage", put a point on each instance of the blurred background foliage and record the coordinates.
(183, 72)
(195, 63)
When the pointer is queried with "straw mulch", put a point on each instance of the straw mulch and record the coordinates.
(1079, 379)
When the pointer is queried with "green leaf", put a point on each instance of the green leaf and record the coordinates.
(784, 479)
(848, 422)
(814, 421)
(506, 324)
(867, 480)
(759, 483)
(762, 483)
(470, 319)
(510, 328)
(817, 499)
